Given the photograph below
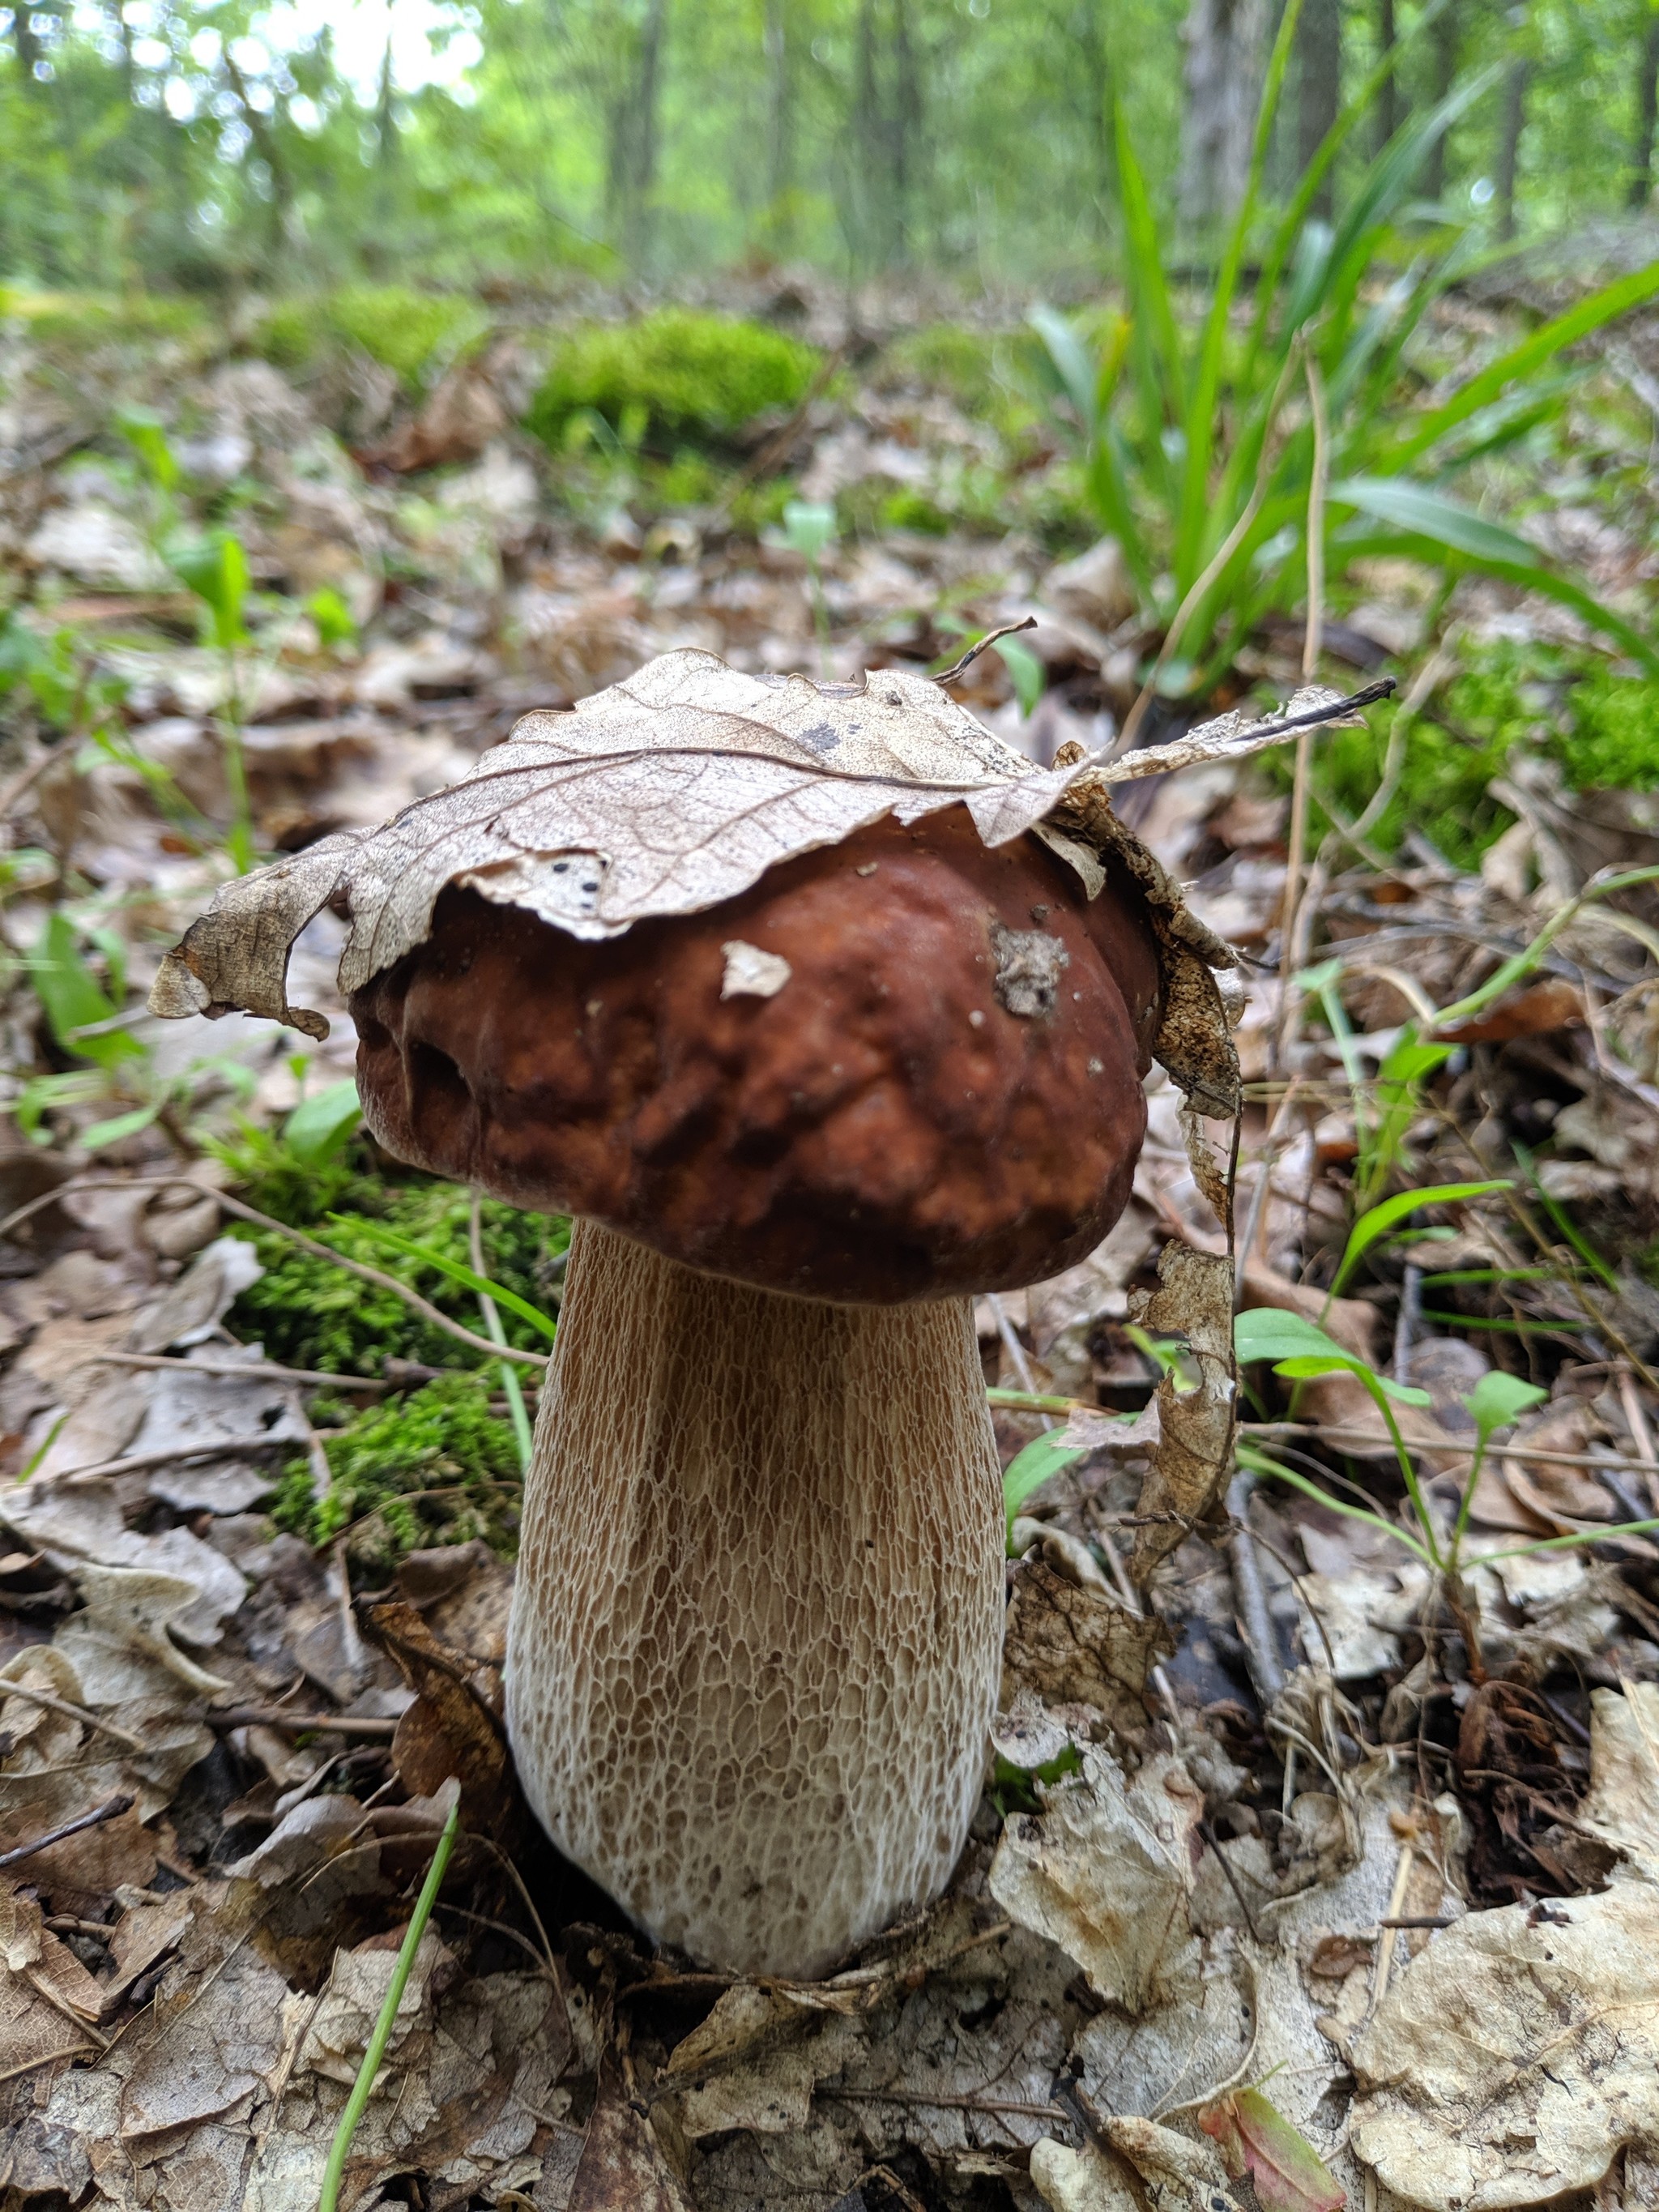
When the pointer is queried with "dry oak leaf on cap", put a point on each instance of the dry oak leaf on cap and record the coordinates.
(679, 789)
(1517, 2054)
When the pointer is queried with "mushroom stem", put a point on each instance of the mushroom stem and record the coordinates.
(756, 1635)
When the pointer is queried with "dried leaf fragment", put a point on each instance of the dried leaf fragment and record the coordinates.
(1285, 2171)
(1193, 1299)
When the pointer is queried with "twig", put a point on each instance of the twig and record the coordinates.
(1406, 1322)
(366, 1728)
(136, 1464)
(1016, 1354)
(1290, 912)
(1402, 1874)
(260, 1371)
(111, 1810)
(69, 1712)
(942, 2102)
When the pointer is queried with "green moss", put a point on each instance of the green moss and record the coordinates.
(672, 372)
(1602, 727)
(945, 357)
(436, 1468)
(73, 320)
(416, 335)
(309, 1313)
(1613, 743)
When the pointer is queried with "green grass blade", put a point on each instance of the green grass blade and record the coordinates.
(1030, 1468)
(1155, 316)
(1259, 1463)
(1378, 1220)
(1533, 353)
(363, 2087)
(481, 1285)
(1196, 512)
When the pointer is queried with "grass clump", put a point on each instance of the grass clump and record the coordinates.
(435, 1467)
(675, 371)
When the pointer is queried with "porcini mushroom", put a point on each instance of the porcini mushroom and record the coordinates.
(822, 1012)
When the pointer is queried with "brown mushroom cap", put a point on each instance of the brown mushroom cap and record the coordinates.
(941, 1096)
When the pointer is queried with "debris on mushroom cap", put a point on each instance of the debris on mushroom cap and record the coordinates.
(874, 1086)
(679, 789)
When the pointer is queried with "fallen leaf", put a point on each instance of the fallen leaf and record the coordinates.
(1106, 1871)
(1085, 2180)
(1622, 1806)
(1285, 2171)
(1190, 1464)
(1516, 2056)
(1178, 2172)
(1075, 1646)
(622, 2169)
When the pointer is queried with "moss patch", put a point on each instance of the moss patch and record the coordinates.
(674, 372)
(416, 335)
(436, 1468)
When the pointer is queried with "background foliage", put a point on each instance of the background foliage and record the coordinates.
(216, 148)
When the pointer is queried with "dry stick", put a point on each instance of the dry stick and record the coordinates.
(111, 1810)
(264, 1371)
(1290, 912)
(69, 1712)
(1620, 1463)
(366, 1729)
(229, 1448)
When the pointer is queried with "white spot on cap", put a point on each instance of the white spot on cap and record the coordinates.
(868, 869)
(977, 1020)
(752, 973)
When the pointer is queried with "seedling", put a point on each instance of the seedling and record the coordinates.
(809, 529)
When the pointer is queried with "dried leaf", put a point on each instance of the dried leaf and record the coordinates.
(1105, 1871)
(1285, 2171)
(1516, 2056)
(1076, 1646)
(1179, 2173)
(1195, 1299)
(1085, 2180)
(621, 2168)
(666, 795)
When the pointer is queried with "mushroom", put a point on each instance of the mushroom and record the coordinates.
(756, 1634)
(822, 1011)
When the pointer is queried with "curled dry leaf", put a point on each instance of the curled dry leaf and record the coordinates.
(1193, 1299)
(1076, 1646)
(1084, 2180)
(1459, 2118)
(677, 789)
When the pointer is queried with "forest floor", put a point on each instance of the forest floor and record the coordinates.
(1269, 1847)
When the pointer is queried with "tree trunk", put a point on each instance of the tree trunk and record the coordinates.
(1444, 74)
(779, 121)
(27, 41)
(1647, 117)
(1389, 104)
(1516, 80)
(632, 123)
(905, 132)
(1319, 89)
(1226, 40)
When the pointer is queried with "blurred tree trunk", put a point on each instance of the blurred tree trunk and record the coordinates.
(1640, 190)
(1226, 43)
(1319, 89)
(1517, 78)
(1445, 53)
(633, 122)
(27, 41)
(908, 125)
(1389, 104)
(780, 122)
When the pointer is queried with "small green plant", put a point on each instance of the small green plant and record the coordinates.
(1299, 1350)
(435, 1467)
(416, 335)
(310, 1314)
(674, 372)
(809, 529)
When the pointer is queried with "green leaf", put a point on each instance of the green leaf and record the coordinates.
(377, 1233)
(320, 1125)
(73, 1000)
(1030, 678)
(216, 569)
(809, 527)
(1380, 1219)
(1497, 1398)
(146, 435)
(118, 1126)
(1431, 514)
(1300, 1350)
(1028, 1469)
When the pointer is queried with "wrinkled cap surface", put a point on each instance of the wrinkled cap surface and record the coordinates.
(902, 1066)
